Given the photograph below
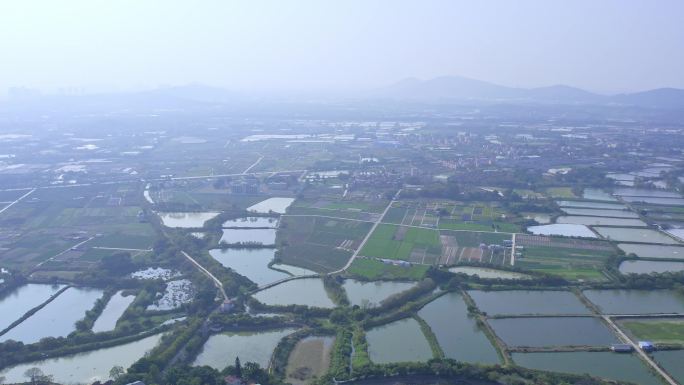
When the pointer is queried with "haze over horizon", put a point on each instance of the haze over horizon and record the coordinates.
(607, 47)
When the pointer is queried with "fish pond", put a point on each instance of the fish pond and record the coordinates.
(592, 205)
(671, 361)
(620, 367)
(186, 220)
(259, 236)
(637, 301)
(600, 212)
(595, 194)
(648, 267)
(528, 302)
(276, 205)
(369, 294)
(252, 263)
(86, 367)
(457, 332)
(304, 291)
(17, 302)
(563, 229)
(114, 309)
(220, 350)
(601, 221)
(652, 251)
(622, 234)
(544, 331)
(399, 341)
(57, 318)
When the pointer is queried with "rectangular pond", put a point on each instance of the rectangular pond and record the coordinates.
(399, 341)
(252, 263)
(85, 367)
(457, 332)
(620, 367)
(528, 302)
(186, 220)
(114, 309)
(17, 302)
(553, 331)
(642, 192)
(622, 234)
(370, 294)
(596, 194)
(56, 319)
(637, 301)
(220, 350)
(592, 205)
(600, 212)
(601, 221)
(562, 229)
(671, 361)
(304, 291)
(258, 236)
(652, 251)
(656, 201)
(276, 205)
(648, 267)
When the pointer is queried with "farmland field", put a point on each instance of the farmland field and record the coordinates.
(319, 244)
(406, 243)
(656, 330)
(374, 269)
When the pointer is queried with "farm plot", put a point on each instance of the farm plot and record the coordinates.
(373, 269)
(569, 258)
(416, 245)
(659, 330)
(319, 244)
(54, 229)
(468, 246)
(478, 216)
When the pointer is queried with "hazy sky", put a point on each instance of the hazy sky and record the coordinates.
(601, 45)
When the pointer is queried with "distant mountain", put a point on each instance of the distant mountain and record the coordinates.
(456, 88)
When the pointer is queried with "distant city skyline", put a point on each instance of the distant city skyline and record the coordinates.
(606, 47)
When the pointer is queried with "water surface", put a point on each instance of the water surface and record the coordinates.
(22, 299)
(186, 220)
(600, 212)
(252, 263)
(369, 294)
(621, 367)
(115, 308)
(648, 267)
(637, 301)
(86, 367)
(220, 350)
(56, 319)
(671, 361)
(399, 341)
(566, 230)
(652, 251)
(621, 234)
(261, 236)
(457, 332)
(305, 291)
(596, 195)
(534, 302)
(277, 205)
(553, 331)
(601, 221)
(592, 205)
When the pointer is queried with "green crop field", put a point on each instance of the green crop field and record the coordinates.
(397, 242)
(664, 331)
(569, 263)
(319, 244)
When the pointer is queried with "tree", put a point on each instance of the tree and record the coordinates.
(238, 367)
(116, 372)
(34, 374)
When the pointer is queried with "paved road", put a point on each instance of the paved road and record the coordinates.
(365, 239)
(640, 352)
(206, 272)
(253, 164)
(17, 201)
